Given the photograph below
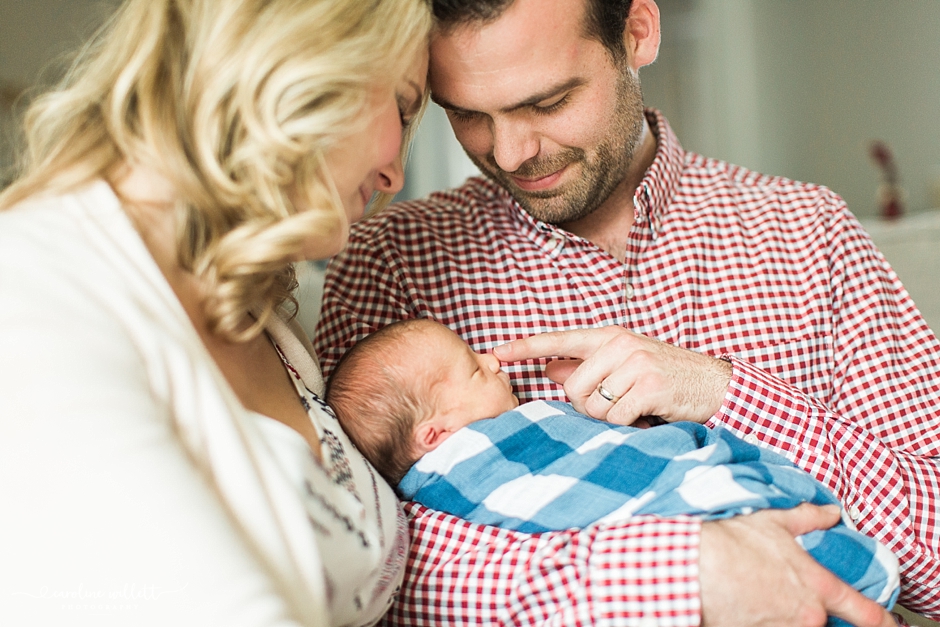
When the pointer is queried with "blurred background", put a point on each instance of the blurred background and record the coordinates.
(799, 88)
(792, 87)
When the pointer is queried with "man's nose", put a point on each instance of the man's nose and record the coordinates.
(514, 143)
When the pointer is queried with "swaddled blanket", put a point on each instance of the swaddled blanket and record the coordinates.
(547, 467)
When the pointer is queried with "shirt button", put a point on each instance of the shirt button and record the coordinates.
(854, 513)
(750, 438)
(556, 241)
(629, 292)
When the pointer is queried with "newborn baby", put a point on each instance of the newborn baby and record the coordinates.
(441, 423)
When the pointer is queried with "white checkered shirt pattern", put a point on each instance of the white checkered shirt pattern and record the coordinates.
(833, 365)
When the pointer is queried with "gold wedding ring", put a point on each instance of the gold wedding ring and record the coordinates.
(606, 394)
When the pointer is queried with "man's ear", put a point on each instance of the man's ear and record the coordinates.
(641, 34)
(429, 434)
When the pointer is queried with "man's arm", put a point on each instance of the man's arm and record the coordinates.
(867, 424)
(641, 571)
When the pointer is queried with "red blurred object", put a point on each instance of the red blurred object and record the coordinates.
(890, 194)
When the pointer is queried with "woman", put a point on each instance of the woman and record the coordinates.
(164, 450)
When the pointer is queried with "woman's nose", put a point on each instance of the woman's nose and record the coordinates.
(390, 178)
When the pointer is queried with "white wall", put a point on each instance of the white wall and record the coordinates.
(436, 160)
(799, 88)
(35, 35)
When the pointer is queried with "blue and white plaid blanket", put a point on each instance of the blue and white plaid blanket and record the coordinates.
(546, 467)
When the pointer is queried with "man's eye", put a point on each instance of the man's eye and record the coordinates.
(551, 108)
(460, 115)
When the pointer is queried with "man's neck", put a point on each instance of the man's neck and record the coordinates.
(609, 225)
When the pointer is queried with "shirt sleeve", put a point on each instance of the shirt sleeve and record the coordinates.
(871, 434)
(890, 495)
(877, 364)
(642, 571)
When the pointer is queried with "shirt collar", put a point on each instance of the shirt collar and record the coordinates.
(655, 191)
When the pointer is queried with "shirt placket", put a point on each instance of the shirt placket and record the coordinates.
(593, 274)
(643, 233)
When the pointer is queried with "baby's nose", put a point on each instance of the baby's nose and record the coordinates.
(491, 361)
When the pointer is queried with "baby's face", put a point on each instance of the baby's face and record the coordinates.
(472, 385)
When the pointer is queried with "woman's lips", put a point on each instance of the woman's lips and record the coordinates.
(538, 184)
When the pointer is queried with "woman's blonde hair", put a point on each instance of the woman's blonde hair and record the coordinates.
(235, 102)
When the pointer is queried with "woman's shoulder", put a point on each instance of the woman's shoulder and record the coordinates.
(49, 226)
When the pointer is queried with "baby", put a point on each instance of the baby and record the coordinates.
(441, 423)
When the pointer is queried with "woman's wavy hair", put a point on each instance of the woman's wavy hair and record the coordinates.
(235, 102)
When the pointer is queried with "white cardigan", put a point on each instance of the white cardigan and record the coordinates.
(134, 487)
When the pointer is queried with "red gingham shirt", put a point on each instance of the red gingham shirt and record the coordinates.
(833, 367)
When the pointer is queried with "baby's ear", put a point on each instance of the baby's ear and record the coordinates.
(429, 434)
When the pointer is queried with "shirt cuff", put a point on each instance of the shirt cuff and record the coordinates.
(760, 408)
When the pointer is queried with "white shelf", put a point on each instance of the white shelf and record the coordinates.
(912, 247)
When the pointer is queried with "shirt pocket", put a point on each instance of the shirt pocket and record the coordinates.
(804, 362)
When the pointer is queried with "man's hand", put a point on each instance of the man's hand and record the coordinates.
(640, 376)
(752, 573)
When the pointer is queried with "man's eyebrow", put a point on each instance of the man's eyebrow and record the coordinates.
(534, 99)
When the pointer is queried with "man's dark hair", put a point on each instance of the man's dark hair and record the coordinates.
(604, 21)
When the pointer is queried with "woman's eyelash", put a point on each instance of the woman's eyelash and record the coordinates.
(406, 112)
(405, 116)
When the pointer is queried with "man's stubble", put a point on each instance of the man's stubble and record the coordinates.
(600, 172)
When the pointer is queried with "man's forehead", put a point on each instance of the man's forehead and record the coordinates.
(529, 48)
(524, 25)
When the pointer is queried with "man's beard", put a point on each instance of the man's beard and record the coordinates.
(601, 171)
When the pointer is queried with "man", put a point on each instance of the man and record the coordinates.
(691, 290)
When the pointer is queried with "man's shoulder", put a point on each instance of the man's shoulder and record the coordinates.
(706, 172)
(707, 184)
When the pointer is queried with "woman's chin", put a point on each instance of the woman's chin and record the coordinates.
(323, 250)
